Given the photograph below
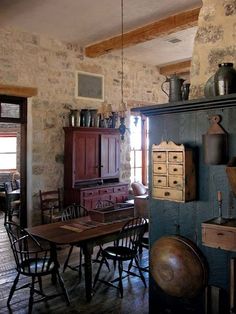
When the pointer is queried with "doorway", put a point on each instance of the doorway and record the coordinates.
(13, 119)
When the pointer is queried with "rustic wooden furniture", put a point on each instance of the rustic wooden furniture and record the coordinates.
(113, 212)
(12, 201)
(125, 248)
(185, 122)
(50, 205)
(72, 212)
(221, 236)
(91, 166)
(174, 176)
(34, 261)
(80, 231)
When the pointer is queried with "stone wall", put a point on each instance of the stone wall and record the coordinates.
(215, 42)
(50, 65)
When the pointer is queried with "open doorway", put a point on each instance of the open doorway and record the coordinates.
(13, 126)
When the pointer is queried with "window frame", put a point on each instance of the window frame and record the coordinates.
(144, 148)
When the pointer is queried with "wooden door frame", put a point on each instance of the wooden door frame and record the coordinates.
(22, 120)
(15, 94)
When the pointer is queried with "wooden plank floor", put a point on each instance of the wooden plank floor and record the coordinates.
(105, 300)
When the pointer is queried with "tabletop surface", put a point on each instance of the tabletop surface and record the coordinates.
(75, 230)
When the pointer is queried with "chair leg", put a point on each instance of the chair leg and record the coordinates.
(61, 282)
(140, 272)
(80, 262)
(120, 265)
(31, 298)
(13, 289)
(98, 272)
(67, 260)
(40, 284)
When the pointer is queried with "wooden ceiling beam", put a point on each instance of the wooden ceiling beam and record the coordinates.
(151, 31)
(19, 91)
(178, 68)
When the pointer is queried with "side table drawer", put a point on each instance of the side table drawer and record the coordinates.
(217, 238)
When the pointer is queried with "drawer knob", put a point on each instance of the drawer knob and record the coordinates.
(174, 157)
(159, 168)
(167, 194)
(159, 181)
(159, 156)
(220, 234)
(175, 169)
(175, 182)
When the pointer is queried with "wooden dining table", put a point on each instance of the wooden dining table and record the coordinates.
(83, 232)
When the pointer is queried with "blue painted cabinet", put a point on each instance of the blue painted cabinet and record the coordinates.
(185, 123)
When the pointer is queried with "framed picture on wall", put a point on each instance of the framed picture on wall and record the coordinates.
(89, 86)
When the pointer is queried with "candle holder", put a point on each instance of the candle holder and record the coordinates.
(219, 220)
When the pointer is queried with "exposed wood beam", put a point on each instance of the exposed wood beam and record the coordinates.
(19, 91)
(181, 67)
(156, 29)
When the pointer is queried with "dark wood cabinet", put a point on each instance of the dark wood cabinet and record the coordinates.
(92, 158)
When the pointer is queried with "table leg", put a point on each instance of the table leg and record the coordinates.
(53, 249)
(88, 251)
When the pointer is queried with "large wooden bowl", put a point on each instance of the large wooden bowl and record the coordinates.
(178, 266)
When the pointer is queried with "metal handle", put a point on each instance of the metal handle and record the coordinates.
(167, 193)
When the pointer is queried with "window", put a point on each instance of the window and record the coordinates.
(8, 145)
(139, 149)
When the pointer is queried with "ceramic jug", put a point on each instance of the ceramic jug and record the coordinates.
(175, 87)
(225, 79)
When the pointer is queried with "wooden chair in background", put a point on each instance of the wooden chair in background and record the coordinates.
(50, 206)
(72, 212)
(12, 202)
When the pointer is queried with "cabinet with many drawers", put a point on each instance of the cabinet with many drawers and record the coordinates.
(173, 172)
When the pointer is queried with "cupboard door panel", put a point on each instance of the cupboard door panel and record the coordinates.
(110, 155)
(86, 161)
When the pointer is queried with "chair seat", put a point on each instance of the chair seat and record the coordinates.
(119, 253)
(36, 266)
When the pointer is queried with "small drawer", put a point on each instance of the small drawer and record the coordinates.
(159, 181)
(175, 169)
(168, 194)
(159, 156)
(106, 191)
(118, 189)
(159, 168)
(218, 238)
(89, 193)
(175, 157)
(175, 182)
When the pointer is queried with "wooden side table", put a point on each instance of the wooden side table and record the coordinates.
(223, 236)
